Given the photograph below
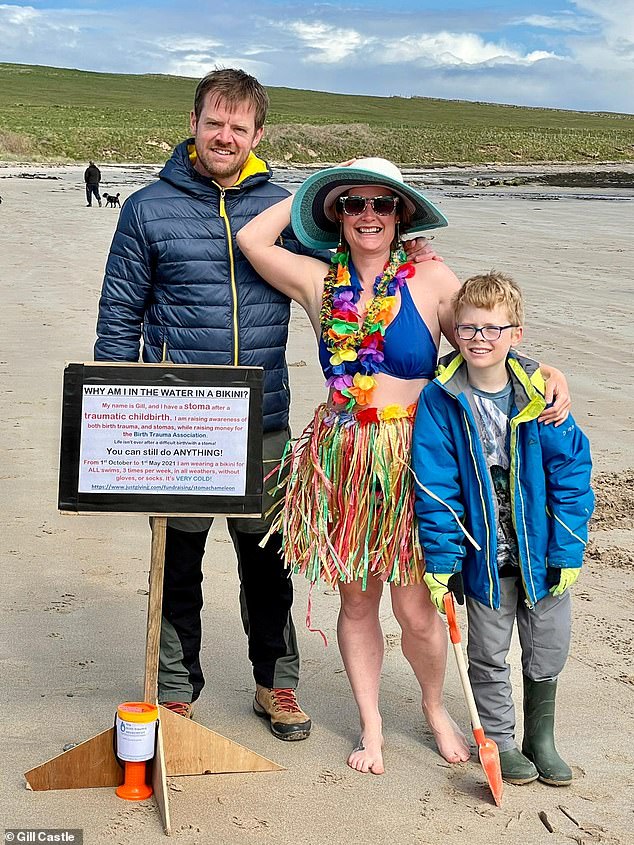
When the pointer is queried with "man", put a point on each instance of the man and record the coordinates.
(175, 277)
(92, 178)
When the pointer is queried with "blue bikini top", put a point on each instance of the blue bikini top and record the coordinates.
(409, 349)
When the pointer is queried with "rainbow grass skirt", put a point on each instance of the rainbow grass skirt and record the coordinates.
(348, 499)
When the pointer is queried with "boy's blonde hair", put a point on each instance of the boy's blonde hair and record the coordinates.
(488, 291)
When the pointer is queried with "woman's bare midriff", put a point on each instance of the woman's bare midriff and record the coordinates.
(390, 390)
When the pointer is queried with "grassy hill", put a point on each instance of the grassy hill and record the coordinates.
(54, 114)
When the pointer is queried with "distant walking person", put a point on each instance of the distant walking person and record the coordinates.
(92, 178)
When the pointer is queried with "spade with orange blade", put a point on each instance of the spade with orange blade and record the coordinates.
(487, 749)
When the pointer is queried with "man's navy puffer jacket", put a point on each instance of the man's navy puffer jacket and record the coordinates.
(175, 276)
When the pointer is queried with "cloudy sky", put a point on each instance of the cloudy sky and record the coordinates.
(569, 54)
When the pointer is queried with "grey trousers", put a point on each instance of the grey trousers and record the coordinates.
(544, 634)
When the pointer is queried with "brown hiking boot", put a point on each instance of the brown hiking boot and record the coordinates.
(287, 719)
(181, 708)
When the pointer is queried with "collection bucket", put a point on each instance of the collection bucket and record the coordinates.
(135, 740)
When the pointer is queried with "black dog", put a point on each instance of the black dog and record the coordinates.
(112, 200)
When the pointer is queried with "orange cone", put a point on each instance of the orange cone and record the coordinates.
(134, 787)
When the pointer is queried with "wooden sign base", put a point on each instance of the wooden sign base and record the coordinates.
(183, 747)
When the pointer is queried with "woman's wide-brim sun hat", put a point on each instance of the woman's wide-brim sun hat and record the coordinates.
(313, 210)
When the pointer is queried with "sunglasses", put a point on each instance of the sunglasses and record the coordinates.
(354, 206)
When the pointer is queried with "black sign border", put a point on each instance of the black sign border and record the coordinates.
(76, 375)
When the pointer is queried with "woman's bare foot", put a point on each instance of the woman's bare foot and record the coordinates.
(452, 743)
(368, 754)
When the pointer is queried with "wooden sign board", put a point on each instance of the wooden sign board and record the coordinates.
(163, 439)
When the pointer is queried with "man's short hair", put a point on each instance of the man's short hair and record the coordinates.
(488, 291)
(233, 87)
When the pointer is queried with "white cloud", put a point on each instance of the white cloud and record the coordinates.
(332, 45)
(605, 59)
(449, 48)
(617, 15)
(329, 44)
(442, 49)
(22, 22)
(196, 66)
(563, 21)
(187, 44)
(18, 14)
(29, 35)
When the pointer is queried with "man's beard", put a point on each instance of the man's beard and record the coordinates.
(215, 168)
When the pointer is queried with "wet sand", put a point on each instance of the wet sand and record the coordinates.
(74, 601)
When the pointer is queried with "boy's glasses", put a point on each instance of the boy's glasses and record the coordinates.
(468, 332)
(354, 205)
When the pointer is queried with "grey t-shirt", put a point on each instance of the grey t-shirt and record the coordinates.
(494, 410)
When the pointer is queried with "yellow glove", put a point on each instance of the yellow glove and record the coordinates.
(567, 578)
(439, 583)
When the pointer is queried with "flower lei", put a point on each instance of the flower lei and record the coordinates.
(355, 346)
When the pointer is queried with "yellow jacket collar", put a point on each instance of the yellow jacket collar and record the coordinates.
(453, 376)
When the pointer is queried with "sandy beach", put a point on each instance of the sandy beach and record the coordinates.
(74, 587)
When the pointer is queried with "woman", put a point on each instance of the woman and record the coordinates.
(348, 510)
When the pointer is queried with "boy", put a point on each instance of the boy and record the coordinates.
(505, 501)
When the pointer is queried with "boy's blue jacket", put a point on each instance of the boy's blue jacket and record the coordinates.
(550, 467)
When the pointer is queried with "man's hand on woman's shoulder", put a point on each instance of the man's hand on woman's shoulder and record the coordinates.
(420, 249)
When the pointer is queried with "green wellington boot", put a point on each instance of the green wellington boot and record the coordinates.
(516, 768)
(539, 732)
